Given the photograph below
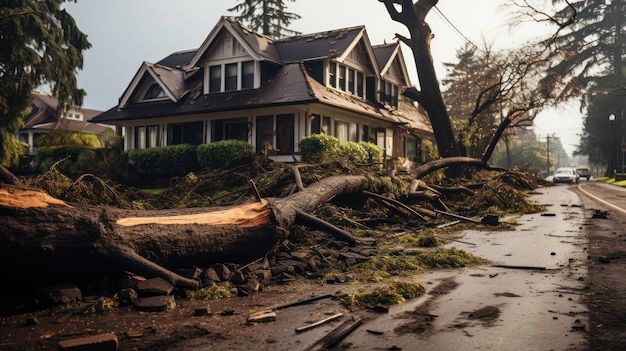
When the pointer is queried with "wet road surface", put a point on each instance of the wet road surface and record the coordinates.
(536, 306)
(529, 298)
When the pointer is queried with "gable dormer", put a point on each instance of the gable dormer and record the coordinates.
(393, 73)
(228, 66)
(232, 57)
(154, 83)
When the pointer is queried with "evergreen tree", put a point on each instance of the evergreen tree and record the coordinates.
(267, 16)
(39, 44)
(589, 49)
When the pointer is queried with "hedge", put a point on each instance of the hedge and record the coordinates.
(224, 153)
(164, 161)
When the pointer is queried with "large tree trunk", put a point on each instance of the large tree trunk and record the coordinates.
(413, 16)
(41, 234)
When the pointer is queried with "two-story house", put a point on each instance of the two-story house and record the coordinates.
(240, 84)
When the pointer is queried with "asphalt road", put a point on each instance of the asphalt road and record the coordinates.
(610, 196)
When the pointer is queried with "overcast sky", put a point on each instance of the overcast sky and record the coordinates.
(124, 33)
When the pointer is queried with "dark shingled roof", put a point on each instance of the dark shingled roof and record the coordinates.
(262, 45)
(287, 86)
(177, 59)
(317, 45)
(383, 53)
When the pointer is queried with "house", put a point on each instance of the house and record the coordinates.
(45, 117)
(240, 84)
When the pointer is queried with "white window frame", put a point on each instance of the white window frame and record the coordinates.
(222, 65)
(351, 89)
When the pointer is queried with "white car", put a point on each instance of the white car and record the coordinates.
(565, 175)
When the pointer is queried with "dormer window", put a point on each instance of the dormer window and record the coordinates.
(346, 79)
(389, 94)
(231, 77)
(154, 92)
(77, 116)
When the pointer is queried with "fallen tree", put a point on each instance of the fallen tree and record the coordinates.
(43, 234)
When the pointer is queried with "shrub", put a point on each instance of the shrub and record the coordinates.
(164, 161)
(362, 152)
(104, 163)
(375, 152)
(224, 153)
(353, 152)
(321, 148)
(318, 147)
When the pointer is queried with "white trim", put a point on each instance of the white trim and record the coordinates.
(223, 23)
(133, 87)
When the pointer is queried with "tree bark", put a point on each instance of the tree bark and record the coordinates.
(432, 166)
(41, 234)
(413, 16)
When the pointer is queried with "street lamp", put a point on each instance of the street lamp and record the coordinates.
(612, 120)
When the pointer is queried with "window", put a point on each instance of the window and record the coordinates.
(351, 87)
(346, 79)
(283, 142)
(342, 78)
(413, 150)
(285, 133)
(140, 137)
(247, 75)
(389, 95)
(231, 73)
(394, 96)
(316, 124)
(341, 131)
(230, 79)
(146, 136)
(365, 133)
(185, 133)
(73, 115)
(345, 131)
(326, 125)
(264, 132)
(154, 92)
(380, 137)
(225, 129)
(332, 75)
(152, 137)
(215, 79)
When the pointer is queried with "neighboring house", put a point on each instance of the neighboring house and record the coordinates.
(44, 117)
(243, 85)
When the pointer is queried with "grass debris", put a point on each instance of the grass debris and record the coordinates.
(212, 292)
(99, 305)
(392, 294)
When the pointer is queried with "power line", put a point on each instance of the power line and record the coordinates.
(451, 25)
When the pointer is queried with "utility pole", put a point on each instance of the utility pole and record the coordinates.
(548, 143)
